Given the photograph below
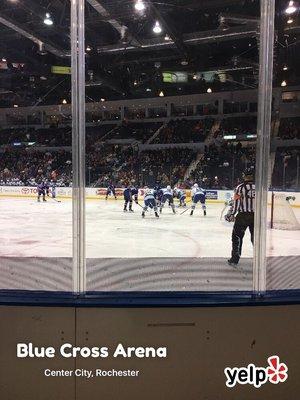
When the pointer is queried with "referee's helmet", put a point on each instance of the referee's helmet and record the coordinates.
(248, 174)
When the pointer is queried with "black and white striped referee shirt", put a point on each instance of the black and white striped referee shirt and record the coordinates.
(244, 198)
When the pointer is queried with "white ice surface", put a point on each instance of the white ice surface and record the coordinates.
(31, 229)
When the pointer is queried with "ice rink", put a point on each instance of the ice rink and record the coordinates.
(31, 229)
(126, 252)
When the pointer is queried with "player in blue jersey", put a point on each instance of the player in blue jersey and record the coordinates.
(135, 194)
(181, 196)
(127, 199)
(158, 194)
(150, 202)
(130, 194)
(168, 195)
(198, 195)
(111, 190)
(41, 189)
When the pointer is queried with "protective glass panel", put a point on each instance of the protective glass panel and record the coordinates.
(35, 147)
(283, 238)
(183, 79)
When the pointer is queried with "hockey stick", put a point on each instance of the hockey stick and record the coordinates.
(143, 207)
(53, 198)
(185, 210)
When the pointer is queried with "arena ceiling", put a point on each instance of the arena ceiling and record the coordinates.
(126, 59)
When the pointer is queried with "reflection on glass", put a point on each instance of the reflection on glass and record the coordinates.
(161, 178)
(35, 151)
(283, 237)
(284, 216)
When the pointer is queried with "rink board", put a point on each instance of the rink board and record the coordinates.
(213, 196)
(98, 193)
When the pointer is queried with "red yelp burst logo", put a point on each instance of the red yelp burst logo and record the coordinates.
(277, 371)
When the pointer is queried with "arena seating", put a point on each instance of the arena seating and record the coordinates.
(52, 137)
(237, 126)
(285, 168)
(289, 128)
(20, 167)
(135, 131)
(219, 167)
(185, 131)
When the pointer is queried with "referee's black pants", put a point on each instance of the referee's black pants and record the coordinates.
(243, 221)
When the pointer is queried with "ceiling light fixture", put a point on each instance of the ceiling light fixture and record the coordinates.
(157, 28)
(139, 5)
(64, 101)
(167, 38)
(161, 94)
(48, 20)
(290, 20)
(285, 68)
(283, 83)
(4, 59)
(102, 99)
(291, 8)
(88, 48)
(209, 90)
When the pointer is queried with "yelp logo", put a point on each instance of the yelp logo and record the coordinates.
(276, 372)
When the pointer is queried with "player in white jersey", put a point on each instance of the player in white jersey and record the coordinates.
(149, 201)
(198, 195)
(181, 196)
(168, 195)
(229, 217)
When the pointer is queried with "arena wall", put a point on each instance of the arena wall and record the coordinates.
(214, 196)
(200, 341)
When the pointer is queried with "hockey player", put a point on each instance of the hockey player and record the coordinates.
(149, 201)
(168, 195)
(127, 199)
(181, 196)
(51, 185)
(111, 190)
(228, 216)
(158, 194)
(130, 194)
(41, 189)
(243, 214)
(198, 195)
(135, 194)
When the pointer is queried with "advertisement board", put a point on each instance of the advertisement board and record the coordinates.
(218, 196)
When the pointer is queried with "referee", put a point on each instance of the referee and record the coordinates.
(242, 214)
